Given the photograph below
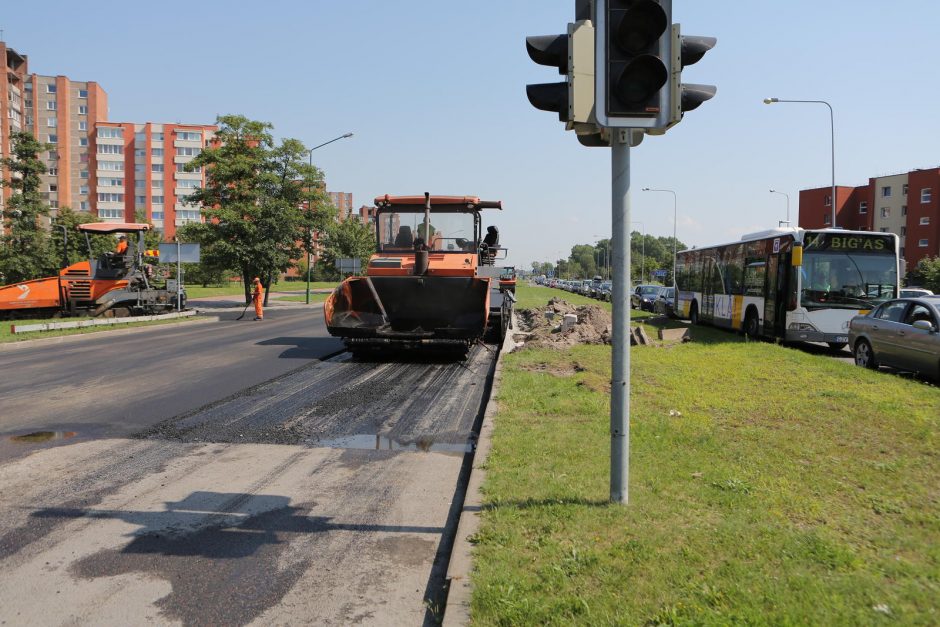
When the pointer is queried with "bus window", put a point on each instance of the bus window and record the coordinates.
(754, 273)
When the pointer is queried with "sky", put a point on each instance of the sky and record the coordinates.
(434, 93)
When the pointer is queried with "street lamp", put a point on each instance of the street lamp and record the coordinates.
(675, 215)
(606, 255)
(832, 135)
(773, 191)
(335, 139)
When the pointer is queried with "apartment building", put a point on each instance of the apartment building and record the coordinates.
(906, 204)
(64, 113)
(141, 168)
(12, 115)
(343, 201)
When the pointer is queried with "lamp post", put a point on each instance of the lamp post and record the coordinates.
(773, 191)
(675, 215)
(309, 208)
(832, 137)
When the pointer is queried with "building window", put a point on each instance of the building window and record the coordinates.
(903, 230)
(52, 122)
(140, 200)
(54, 204)
(110, 149)
(53, 139)
(922, 243)
(83, 174)
(158, 200)
(83, 125)
(189, 136)
(110, 182)
(54, 188)
(185, 167)
(140, 184)
(82, 110)
(140, 138)
(885, 212)
(925, 195)
(82, 93)
(188, 215)
(82, 141)
(156, 152)
(83, 205)
(52, 171)
(50, 105)
(114, 166)
(109, 197)
(83, 189)
(923, 221)
(886, 191)
(156, 215)
(158, 137)
(187, 152)
(140, 152)
(110, 132)
(50, 88)
(827, 201)
(156, 167)
(827, 219)
(903, 210)
(902, 252)
(863, 207)
(904, 189)
(188, 183)
(111, 213)
(156, 183)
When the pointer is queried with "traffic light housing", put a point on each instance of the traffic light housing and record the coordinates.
(633, 57)
(686, 50)
(573, 55)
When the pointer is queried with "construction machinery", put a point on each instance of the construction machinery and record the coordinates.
(114, 284)
(432, 284)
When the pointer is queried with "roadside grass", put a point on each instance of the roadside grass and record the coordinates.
(302, 298)
(767, 486)
(197, 291)
(6, 334)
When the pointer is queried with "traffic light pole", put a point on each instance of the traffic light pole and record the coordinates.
(620, 360)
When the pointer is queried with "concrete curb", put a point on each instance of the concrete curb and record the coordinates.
(457, 607)
(77, 337)
(96, 322)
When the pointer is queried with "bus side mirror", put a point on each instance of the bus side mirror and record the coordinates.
(796, 260)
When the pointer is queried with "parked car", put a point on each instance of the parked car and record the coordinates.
(912, 292)
(665, 302)
(903, 333)
(603, 291)
(644, 296)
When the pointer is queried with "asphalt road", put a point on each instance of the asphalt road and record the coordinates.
(296, 491)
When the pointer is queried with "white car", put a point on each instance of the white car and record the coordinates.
(912, 292)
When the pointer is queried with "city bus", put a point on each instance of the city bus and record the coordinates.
(788, 284)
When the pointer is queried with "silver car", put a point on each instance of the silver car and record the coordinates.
(903, 333)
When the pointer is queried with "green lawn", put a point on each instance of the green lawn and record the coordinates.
(302, 298)
(767, 486)
(197, 291)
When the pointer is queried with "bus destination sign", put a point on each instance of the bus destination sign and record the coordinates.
(849, 242)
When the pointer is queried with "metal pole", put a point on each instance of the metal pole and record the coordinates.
(773, 191)
(179, 276)
(310, 237)
(620, 353)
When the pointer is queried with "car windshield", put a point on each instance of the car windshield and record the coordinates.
(647, 290)
(449, 231)
(839, 280)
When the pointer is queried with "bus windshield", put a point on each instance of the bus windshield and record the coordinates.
(449, 231)
(843, 280)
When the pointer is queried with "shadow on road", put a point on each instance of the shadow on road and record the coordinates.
(305, 347)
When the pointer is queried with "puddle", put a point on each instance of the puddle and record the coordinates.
(381, 443)
(42, 436)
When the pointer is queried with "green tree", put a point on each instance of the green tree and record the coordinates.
(927, 274)
(261, 202)
(348, 239)
(26, 252)
(77, 250)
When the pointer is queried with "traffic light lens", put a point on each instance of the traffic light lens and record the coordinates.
(640, 27)
(641, 79)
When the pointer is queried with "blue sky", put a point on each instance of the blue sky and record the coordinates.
(435, 94)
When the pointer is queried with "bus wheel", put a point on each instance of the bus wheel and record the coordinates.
(693, 314)
(751, 325)
(864, 355)
(837, 346)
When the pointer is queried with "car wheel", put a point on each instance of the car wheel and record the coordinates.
(864, 355)
(751, 325)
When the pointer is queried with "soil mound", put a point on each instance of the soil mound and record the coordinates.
(544, 326)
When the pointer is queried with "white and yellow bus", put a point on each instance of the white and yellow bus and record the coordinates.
(789, 284)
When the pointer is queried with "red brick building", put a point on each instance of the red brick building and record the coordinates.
(906, 204)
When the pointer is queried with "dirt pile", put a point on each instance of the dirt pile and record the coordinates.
(544, 326)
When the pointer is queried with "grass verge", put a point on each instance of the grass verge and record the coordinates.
(302, 298)
(7, 336)
(197, 291)
(767, 486)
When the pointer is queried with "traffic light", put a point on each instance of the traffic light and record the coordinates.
(633, 52)
(688, 96)
(573, 55)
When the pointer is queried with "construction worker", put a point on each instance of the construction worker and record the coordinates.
(121, 247)
(259, 299)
